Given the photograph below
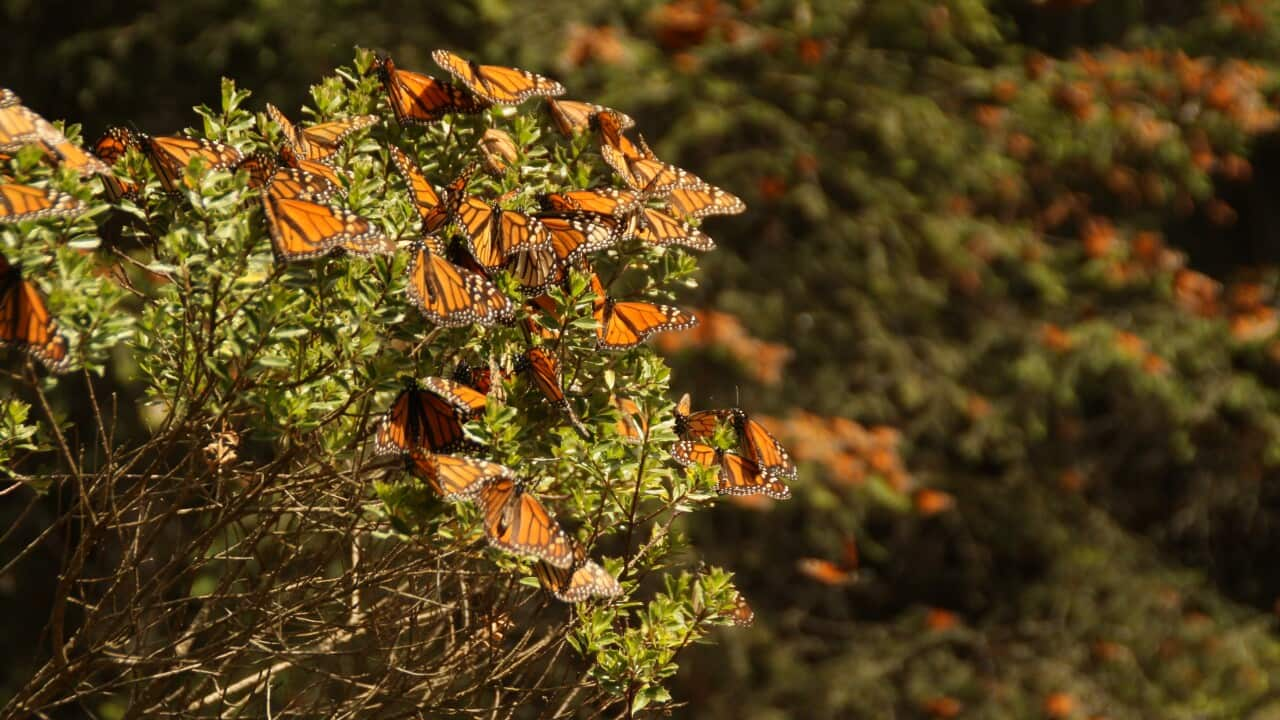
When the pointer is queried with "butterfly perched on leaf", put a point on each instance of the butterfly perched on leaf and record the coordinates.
(544, 368)
(515, 520)
(494, 234)
(582, 580)
(633, 426)
(21, 126)
(494, 83)
(418, 99)
(737, 474)
(632, 217)
(19, 203)
(302, 226)
(451, 296)
(25, 322)
(478, 378)
(624, 325)
(320, 141)
(112, 146)
(453, 477)
(757, 444)
(436, 209)
(171, 155)
(428, 417)
(572, 237)
(572, 117)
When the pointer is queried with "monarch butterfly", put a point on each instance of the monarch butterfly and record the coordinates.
(495, 83)
(515, 520)
(572, 235)
(24, 202)
(757, 443)
(468, 401)
(624, 325)
(636, 164)
(450, 296)
(112, 146)
(171, 155)
(421, 418)
(321, 141)
(455, 478)
(601, 201)
(291, 183)
(436, 211)
(419, 99)
(544, 368)
(572, 117)
(737, 476)
(633, 427)
(742, 615)
(25, 322)
(260, 166)
(494, 234)
(580, 581)
(703, 200)
(301, 228)
(21, 126)
(479, 379)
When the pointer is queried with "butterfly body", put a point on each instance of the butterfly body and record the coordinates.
(25, 322)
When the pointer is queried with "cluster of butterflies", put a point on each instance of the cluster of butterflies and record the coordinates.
(450, 282)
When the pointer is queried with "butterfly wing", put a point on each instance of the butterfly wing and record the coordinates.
(742, 615)
(19, 203)
(515, 520)
(112, 146)
(624, 325)
(495, 83)
(740, 476)
(572, 117)
(170, 157)
(544, 369)
(456, 478)
(574, 235)
(632, 425)
(583, 580)
(25, 322)
(687, 453)
(318, 142)
(763, 448)
(450, 296)
(302, 229)
(658, 228)
(601, 201)
(18, 125)
(418, 99)
(418, 419)
(288, 183)
(701, 201)
(428, 202)
(467, 401)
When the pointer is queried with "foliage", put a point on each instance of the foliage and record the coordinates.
(238, 546)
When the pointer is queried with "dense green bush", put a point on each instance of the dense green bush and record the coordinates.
(234, 530)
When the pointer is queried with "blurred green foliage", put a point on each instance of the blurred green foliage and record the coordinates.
(982, 223)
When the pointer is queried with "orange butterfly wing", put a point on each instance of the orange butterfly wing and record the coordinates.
(302, 229)
(742, 615)
(418, 99)
(582, 580)
(419, 419)
(25, 322)
(763, 448)
(571, 116)
(18, 125)
(544, 368)
(741, 476)
(624, 325)
(456, 478)
(601, 201)
(701, 201)
(466, 400)
(170, 157)
(515, 520)
(495, 83)
(658, 228)
(451, 296)
(24, 202)
(110, 148)
(318, 142)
